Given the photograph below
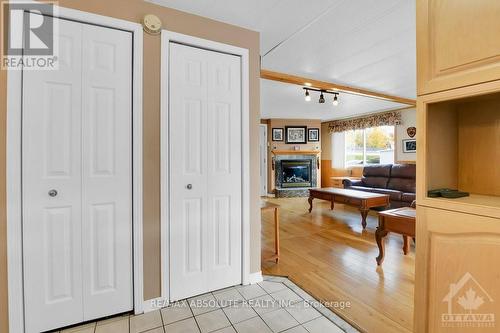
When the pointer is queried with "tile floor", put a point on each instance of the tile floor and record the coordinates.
(274, 305)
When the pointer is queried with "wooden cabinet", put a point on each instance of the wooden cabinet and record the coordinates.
(457, 274)
(337, 182)
(457, 43)
(458, 240)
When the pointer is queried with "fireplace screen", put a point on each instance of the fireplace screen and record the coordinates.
(296, 173)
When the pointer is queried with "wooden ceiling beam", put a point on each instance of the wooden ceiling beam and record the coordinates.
(306, 82)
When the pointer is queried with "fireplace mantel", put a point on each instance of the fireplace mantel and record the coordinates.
(296, 152)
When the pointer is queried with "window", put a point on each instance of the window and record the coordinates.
(373, 145)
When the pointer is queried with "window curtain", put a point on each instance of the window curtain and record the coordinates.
(380, 119)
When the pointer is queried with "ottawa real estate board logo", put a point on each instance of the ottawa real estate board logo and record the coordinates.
(467, 301)
(28, 40)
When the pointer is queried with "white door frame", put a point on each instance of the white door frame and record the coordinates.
(264, 178)
(166, 38)
(14, 189)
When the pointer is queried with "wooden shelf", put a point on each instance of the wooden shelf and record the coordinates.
(460, 148)
(296, 152)
(477, 204)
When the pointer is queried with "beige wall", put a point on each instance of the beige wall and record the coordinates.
(134, 10)
(409, 119)
(281, 145)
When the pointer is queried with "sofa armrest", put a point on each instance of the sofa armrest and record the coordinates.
(348, 183)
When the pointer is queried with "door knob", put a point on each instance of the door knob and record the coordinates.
(189, 186)
(52, 193)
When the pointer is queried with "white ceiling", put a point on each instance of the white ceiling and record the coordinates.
(362, 43)
(282, 100)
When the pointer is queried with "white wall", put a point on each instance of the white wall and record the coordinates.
(409, 119)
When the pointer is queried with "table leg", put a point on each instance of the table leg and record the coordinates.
(277, 234)
(332, 203)
(379, 236)
(310, 200)
(364, 214)
(405, 244)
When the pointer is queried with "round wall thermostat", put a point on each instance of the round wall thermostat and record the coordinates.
(151, 24)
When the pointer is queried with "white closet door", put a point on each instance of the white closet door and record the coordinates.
(107, 171)
(205, 170)
(52, 243)
(77, 141)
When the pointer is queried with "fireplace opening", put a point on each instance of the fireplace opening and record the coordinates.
(296, 173)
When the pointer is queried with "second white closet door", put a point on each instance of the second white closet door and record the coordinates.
(205, 170)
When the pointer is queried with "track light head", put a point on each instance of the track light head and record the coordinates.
(321, 98)
(307, 97)
(335, 100)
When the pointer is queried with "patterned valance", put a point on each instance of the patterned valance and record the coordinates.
(379, 119)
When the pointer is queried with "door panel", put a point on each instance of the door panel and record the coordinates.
(77, 136)
(57, 254)
(51, 152)
(107, 171)
(188, 149)
(205, 152)
(224, 169)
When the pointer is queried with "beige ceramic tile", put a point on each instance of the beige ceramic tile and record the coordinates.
(117, 326)
(184, 326)
(112, 319)
(87, 328)
(211, 321)
(146, 321)
(253, 325)
(321, 325)
(175, 312)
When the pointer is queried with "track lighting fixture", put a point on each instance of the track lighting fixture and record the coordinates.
(307, 98)
(335, 100)
(321, 100)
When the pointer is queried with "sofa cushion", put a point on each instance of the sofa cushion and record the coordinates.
(408, 197)
(382, 170)
(403, 178)
(402, 184)
(403, 171)
(361, 188)
(393, 194)
(379, 182)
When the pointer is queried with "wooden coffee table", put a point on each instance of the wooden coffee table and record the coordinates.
(362, 200)
(399, 220)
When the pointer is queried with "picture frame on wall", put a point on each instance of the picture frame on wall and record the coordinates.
(296, 134)
(410, 146)
(277, 134)
(313, 134)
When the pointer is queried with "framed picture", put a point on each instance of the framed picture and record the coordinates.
(410, 146)
(278, 134)
(313, 134)
(296, 134)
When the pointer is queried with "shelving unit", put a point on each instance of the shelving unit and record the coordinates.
(461, 145)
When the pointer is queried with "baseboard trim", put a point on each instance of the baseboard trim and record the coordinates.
(154, 304)
(255, 277)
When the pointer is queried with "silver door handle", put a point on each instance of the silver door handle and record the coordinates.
(189, 186)
(52, 193)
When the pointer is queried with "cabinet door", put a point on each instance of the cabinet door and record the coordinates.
(457, 43)
(457, 275)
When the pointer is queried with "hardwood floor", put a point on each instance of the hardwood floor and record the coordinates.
(328, 254)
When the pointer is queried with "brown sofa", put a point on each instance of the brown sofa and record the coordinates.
(396, 180)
